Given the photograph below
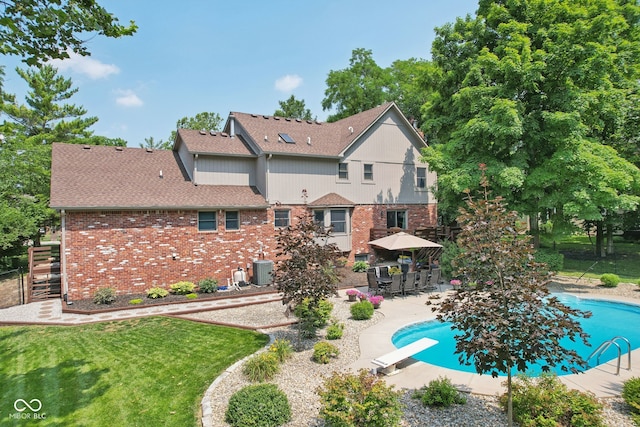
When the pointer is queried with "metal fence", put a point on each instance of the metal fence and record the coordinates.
(12, 288)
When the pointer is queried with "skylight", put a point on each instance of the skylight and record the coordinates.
(286, 138)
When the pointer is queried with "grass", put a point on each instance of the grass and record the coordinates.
(143, 372)
(580, 258)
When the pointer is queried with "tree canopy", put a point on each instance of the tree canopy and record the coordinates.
(204, 120)
(39, 30)
(293, 108)
(538, 90)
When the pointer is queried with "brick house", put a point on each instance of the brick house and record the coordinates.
(134, 218)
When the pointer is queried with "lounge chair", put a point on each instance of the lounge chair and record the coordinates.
(410, 283)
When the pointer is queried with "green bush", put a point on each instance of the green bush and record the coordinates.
(104, 296)
(545, 401)
(311, 318)
(335, 330)
(360, 266)
(261, 367)
(449, 252)
(157, 293)
(182, 288)
(553, 259)
(282, 349)
(324, 351)
(441, 393)
(631, 395)
(192, 295)
(609, 280)
(350, 400)
(208, 286)
(362, 310)
(135, 301)
(259, 405)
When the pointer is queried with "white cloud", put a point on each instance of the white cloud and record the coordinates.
(127, 98)
(90, 67)
(288, 83)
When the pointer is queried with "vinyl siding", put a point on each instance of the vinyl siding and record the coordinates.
(225, 171)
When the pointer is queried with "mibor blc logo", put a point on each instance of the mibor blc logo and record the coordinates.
(27, 410)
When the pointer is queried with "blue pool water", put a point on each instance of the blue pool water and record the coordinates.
(609, 319)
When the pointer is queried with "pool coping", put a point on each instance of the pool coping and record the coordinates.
(399, 312)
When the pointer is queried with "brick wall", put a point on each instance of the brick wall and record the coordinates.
(132, 251)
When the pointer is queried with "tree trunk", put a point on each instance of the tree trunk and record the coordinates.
(509, 399)
(534, 230)
(609, 239)
(600, 248)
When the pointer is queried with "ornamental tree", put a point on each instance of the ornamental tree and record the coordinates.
(508, 320)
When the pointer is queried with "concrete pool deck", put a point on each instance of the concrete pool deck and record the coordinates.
(401, 311)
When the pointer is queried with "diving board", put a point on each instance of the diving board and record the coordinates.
(388, 361)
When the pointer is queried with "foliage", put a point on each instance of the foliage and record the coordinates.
(261, 367)
(182, 288)
(192, 295)
(323, 352)
(305, 262)
(439, 392)
(359, 266)
(208, 286)
(546, 401)
(450, 251)
(39, 31)
(157, 292)
(135, 301)
(259, 405)
(359, 400)
(149, 371)
(293, 108)
(312, 317)
(335, 330)
(609, 280)
(554, 260)
(104, 296)
(631, 395)
(352, 292)
(282, 348)
(375, 299)
(362, 310)
(515, 87)
(515, 321)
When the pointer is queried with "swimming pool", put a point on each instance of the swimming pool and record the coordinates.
(609, 319)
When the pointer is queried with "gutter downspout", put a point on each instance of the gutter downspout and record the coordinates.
(63, 254)
(267, 178)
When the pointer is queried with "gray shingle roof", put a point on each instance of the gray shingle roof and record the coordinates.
(98, 177)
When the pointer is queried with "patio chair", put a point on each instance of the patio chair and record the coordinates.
(424, 285)
(410, 283)
(395, 288)
(372, 281)
(434, 279)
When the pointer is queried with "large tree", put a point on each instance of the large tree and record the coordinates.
(508, 320)
(39, 30)
(534, 89)
(293, 108)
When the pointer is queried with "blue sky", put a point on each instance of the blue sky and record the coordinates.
(220, 56)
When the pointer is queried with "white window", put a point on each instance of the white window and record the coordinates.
(232, 220)
(343, 171)
(368, 172)
(281, 218)
(207, 221)
(339, 220)
(421, 177)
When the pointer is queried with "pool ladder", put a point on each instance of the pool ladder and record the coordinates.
(605, 346)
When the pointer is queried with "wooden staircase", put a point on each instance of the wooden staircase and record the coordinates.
(44, 280)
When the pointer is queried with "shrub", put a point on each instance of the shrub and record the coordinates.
(553, 259)
(350, 400)
(157, 293)
(545, 401)
(192, 295)
(324, 351)
(440, 392)
(631, 395)
(135, 301)
(261, 367)
(282, 349)
(360, 266)
(449, 252)
(362, 310)
(335, 330)
(208, 286)
(609, 280)
(312, 317)
(104, 296)
(182, 288)
(259, 405)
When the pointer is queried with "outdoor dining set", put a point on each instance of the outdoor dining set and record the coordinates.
(382, 281)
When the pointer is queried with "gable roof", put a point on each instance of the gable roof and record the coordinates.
(212, 142)
(331, 199)
(99, 177)
(311, 138)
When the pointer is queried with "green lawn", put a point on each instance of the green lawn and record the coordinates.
(144, 372)
(580, 258)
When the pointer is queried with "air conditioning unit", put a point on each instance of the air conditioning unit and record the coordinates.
(262, 272)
